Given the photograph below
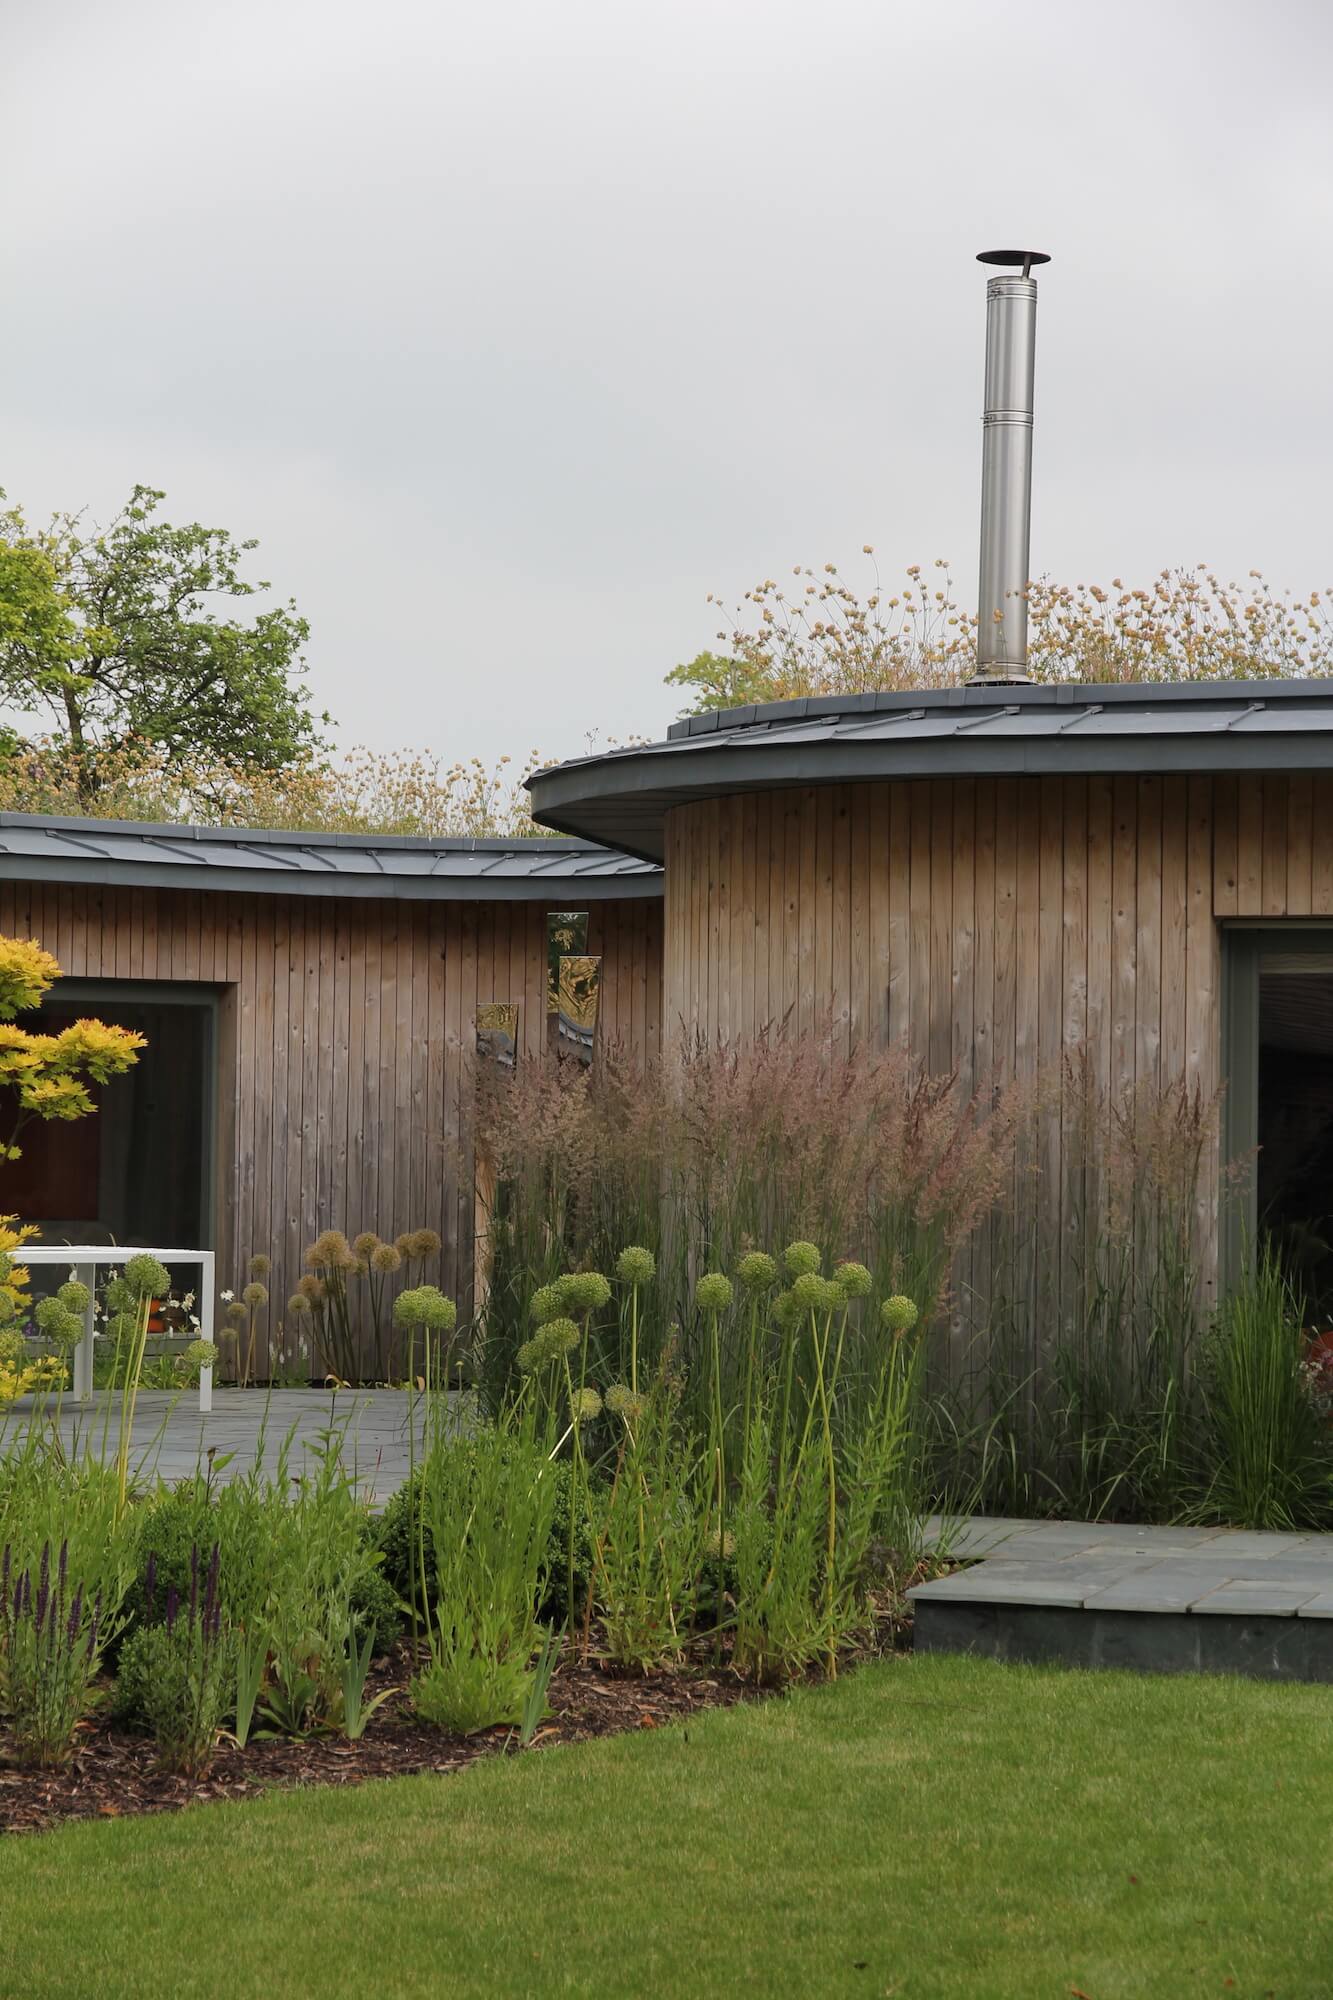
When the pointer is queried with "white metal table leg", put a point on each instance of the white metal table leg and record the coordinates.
(206, 1309)
(83, 1353)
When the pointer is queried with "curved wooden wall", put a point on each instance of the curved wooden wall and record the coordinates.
(990, 924)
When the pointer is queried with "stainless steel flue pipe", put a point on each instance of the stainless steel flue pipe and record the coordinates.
(1006, 466)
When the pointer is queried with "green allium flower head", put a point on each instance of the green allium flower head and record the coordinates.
(757, 1272)
(73, 1296)
(527, 1356)
(635, 1265)
(121, 1326)
(198, 1355)
(898, 1315)
(809, 1292)
(713, 1292)
(786, 1311)
(852, 1280)
(583, 1291)
(119, 1296)
(545, 1304)
(801, 1258)
(60, 1326)
(621, 1401)
(146, 1278)
(560, 1336)
(586, 1405)
(425, 1306)
(13, 1349)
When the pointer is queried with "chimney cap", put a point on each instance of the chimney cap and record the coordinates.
(1011, 260)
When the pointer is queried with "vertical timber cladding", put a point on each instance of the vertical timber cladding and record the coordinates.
(991, 924)
(344, 1031)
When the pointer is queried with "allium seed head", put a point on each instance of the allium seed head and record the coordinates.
(297, 1304)
(586, 1405)
(583, 1291)
(635, 1265)
(366, 1242)
(852, 1280)
(757, 1272)
(807, 1292)
(260, 1265)
(801, 1258)
(544, 1304)
(561, 1336)
(622, 1402)
(384, 1258)
(255, 1296)
(898, 1315)
(713, 1292)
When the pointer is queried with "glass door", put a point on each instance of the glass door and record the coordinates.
(1280, 1103)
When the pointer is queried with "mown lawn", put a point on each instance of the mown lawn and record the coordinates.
(932, 1828)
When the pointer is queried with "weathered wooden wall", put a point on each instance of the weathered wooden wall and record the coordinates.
(991, 924)
(345, 1025)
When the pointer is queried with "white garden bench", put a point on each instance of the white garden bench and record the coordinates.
(84, 1259)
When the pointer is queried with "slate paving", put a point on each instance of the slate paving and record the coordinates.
(171, 1439)
(1113, 1593)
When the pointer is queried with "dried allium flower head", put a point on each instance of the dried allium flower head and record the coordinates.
(255, 1296)
(713, 1292)
(297, 1304)
(260, 1265)
(402, 1242)
(583, 1291)
(237, 1313)
(424, 1243)
(757, 1271)
(544, 1304)
(586, 1405)
(328, 1250)
(365, 1243)
(898, 1315)
(635, 1265)
(313, 1288)
(853, 1280)
(385, 1258)
(801, 1259)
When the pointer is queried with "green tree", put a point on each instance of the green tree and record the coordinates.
(110, 638)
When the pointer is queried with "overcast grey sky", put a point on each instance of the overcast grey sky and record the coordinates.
(514, 328)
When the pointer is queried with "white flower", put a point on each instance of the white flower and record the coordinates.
(226, 1297)
(188, 1300)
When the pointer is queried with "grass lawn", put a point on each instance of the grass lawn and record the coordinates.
(933, 1828)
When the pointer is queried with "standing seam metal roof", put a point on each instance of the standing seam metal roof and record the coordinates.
(622, 797)
(38, 847)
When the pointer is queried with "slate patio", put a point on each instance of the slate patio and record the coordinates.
(1114, 1594)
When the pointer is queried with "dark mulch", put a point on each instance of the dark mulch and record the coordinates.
(114, 1774)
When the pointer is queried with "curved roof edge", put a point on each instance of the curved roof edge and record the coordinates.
(37, 847)
(621, 797)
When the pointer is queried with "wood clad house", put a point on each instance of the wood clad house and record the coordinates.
(1000, 875)
(309, 1003)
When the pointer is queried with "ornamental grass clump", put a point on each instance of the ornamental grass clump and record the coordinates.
(651, 1529)
(488, 1502)
(50, 1645)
